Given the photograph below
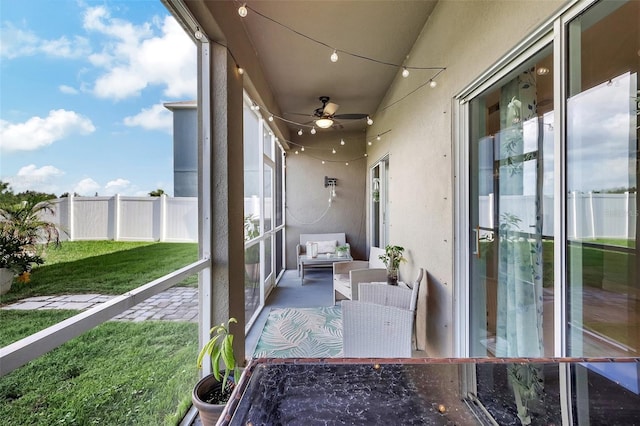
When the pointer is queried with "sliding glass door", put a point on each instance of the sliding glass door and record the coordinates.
(602, 181)
(511, 214)
(552, 164)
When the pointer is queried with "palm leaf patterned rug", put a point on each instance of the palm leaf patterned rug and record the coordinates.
(301, 333)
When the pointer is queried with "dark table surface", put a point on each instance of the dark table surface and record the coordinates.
(437, 392)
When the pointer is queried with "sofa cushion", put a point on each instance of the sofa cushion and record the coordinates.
(326, 246)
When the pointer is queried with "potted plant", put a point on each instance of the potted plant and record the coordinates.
(17, 257)
(392, 259)
(342, 251)
(23, 233)
(212, 392)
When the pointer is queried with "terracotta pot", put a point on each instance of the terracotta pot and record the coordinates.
(6, 279)
(209, 413)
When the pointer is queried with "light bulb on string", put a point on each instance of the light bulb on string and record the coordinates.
(433, 84)
(346, 164)
(302, 148)
(341, 141)
(296, 152)
(334, 56)
(313, 130)
(370, 143)
(198, 34)
(366, 155)
(333, 151)
(240, 70)
(378, 138)
(271, 117)
(369, 121)
(242, 10)
(300, 132)
(405, 72)
(322, 161)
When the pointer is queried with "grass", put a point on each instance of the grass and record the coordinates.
(103, 267)
(119, 373)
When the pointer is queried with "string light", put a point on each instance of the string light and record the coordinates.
(433, 84)
(271, 117)
(341, 141)
(322, 161)
(300, 132)
(405, 72)
(333, 151)
(334, 56)
(302, 149)
(240, 70)
(313, 130)
(370, 143)
(369, 121)
(242, 10)
(296, 152)
(346, 164)
(198, 34)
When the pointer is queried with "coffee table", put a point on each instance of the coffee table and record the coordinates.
(321, 260)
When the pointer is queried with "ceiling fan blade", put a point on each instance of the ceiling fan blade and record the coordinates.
(330, 109)
(299, 113)
(350, 116)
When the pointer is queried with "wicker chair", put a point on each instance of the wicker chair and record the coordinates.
(381, 323)
(348, 275)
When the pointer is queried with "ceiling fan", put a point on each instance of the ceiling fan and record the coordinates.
(327, 113)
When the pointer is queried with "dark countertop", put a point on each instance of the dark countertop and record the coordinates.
(434, 391)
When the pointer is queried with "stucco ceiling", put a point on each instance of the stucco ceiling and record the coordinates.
(294, 39)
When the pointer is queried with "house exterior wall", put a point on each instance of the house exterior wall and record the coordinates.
(185, 152)
(466, 37)
(308, 209)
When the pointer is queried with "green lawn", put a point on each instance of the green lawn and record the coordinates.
(103, 267)
(119, 373)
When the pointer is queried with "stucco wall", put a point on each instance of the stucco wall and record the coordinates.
(466, 37)
(307, 198)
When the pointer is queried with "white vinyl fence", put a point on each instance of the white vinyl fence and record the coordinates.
(122, 218)
(588, 215)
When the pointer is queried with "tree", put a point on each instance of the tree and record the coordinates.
(157, 193)
(7, 196)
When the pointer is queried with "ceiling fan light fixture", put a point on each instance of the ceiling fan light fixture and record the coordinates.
(324, 123)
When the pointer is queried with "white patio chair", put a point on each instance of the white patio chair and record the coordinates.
(382, 322)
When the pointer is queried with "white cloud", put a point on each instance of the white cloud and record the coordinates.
(86, 187)
(155, 118)
(117, 186)
(68, 90)
(38, 132)
(32, 178)
(18, 42)
(134, 58)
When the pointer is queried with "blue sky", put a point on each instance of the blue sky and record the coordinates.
(82, 85)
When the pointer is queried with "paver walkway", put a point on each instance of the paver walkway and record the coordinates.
(174, 304)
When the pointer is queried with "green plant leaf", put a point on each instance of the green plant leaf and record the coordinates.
(215, 364)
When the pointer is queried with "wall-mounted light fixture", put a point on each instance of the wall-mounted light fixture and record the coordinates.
(331, 183)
